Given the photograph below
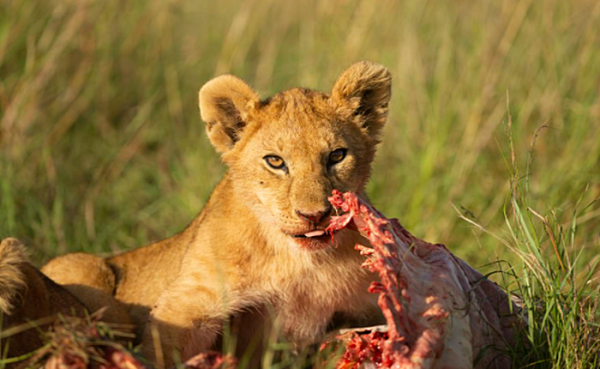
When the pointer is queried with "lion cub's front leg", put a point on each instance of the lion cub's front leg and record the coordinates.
(186, 320)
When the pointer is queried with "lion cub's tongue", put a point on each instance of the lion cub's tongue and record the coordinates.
(315, 233)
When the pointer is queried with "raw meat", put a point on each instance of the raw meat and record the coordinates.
(440, 312)
(85, 343)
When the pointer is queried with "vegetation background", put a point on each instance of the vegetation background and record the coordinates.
(495, 107)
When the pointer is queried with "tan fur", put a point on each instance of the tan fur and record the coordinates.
(12, 255)
(92, 281)
(92, 271)
(239, 256)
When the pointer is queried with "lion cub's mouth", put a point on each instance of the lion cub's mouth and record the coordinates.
(317, 239)
(312, 234)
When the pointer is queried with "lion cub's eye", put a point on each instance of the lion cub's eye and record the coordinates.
(336, 156)
(275, 161)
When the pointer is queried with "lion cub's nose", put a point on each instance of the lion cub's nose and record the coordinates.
(314, 217)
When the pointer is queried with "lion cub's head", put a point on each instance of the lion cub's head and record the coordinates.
(287, 153)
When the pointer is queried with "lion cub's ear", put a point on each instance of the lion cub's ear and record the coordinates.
(224, 103)
(363, 92)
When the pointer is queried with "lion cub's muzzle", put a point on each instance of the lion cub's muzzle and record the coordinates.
(314, 217)
(312, 234)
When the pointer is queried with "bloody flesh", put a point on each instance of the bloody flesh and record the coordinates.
(440, 312)
(82, 343)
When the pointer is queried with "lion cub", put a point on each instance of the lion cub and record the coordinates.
(260, 240)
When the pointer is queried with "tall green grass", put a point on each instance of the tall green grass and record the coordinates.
(102, 149)
(560, 294)
(553, 278)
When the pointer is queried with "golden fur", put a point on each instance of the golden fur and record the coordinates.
(12, 255)
(245, 253)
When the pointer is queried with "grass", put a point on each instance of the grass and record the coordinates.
(102, 149)
(555, 279)
(561, 296)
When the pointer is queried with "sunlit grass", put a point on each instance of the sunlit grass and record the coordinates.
(553, 277)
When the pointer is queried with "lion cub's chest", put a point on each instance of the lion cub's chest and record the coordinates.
(307, 296)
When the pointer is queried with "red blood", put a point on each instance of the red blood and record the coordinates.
(440, 312)
(210, 360)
